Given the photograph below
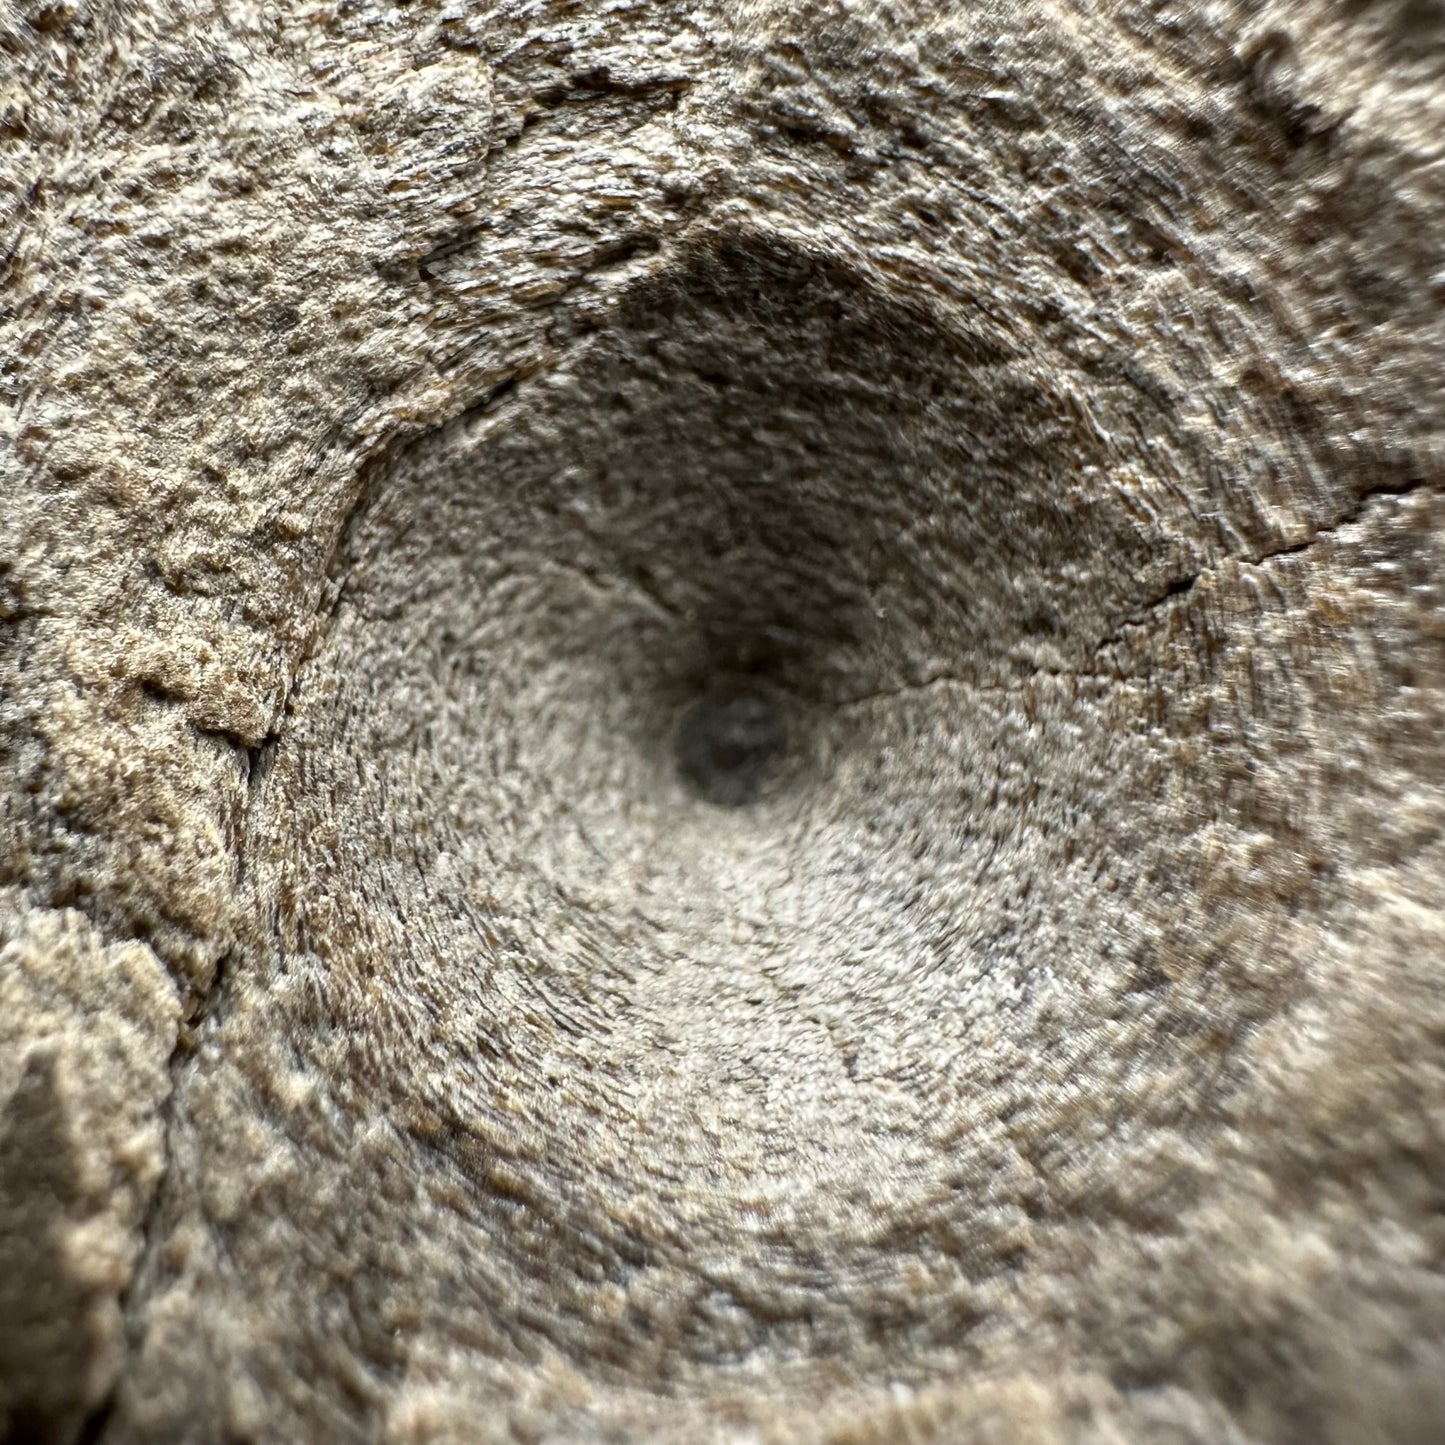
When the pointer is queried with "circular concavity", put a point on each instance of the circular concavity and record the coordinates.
(729, 745)
(749, 846)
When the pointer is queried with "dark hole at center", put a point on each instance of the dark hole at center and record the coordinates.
(728, 747)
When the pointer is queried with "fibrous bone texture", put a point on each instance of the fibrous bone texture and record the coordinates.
(722, 722)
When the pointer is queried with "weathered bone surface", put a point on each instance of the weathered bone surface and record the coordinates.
(722, 722)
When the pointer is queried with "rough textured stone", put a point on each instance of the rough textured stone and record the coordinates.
(415, 415)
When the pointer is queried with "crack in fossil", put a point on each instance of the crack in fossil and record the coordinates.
(1176, 591)
(257, 757)
(1183, 586)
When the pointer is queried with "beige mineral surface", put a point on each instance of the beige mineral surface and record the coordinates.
(722, 722)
